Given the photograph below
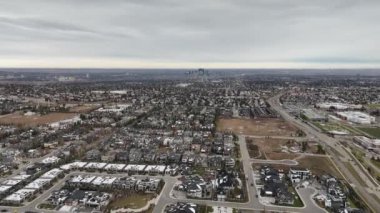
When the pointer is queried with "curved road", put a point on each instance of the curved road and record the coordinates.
(253, 204)
(165, 198)
(333, 148)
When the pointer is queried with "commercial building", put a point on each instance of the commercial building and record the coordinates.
(370, 144)
(356, 117)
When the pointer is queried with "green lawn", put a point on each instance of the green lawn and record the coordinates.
(374, 106)
(375, 131)
(358, 154)
(352, 203)
(297, 200)
(47, 206)
(376, 163)
(200, 170)
(326, 127)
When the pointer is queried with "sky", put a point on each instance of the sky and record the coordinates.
(190, 34)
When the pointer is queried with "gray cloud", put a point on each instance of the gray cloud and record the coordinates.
(171, 31)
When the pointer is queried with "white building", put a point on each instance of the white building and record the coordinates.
(65, 123)
(103, 181)
(19, 196)
(74, 165)
(38, 184)
(51, 160)
(298, 175)
(135, 168)
(4, 189)
(155, 169)
(95, 165)
(115, 167)
(52, 174)
(356, 117)
(370, 144)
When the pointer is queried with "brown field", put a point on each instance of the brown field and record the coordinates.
(276, 166)
(318, 165)
(33, 120)
(259, 127)
(270, 148)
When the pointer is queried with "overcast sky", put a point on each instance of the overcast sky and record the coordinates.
(190, 33)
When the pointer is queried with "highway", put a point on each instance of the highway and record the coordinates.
(253, 204)
(333, 148)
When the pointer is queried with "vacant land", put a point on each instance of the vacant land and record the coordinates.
(269, 148)
(260, 127)
(135, 201)
(18, 118)
(278, 149)
(327, 127)
(375, 132)
(319, 165)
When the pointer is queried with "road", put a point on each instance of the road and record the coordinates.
(165, 196)
(277, 137)
(253, 204)
(280, 162)
(30, 162)
(32, 206)
(335, 150)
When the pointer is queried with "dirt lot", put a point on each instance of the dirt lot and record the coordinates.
(19, 119)
(276, 149)
(317, 165)
(260, 127)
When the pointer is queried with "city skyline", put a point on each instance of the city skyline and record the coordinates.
(179, 34)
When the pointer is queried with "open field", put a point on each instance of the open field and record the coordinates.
(375, 131)
(373, 106)
(134, 201)
(260, 127)
(329, 126)
(18, 118)
(318, 165)
(276, 149)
